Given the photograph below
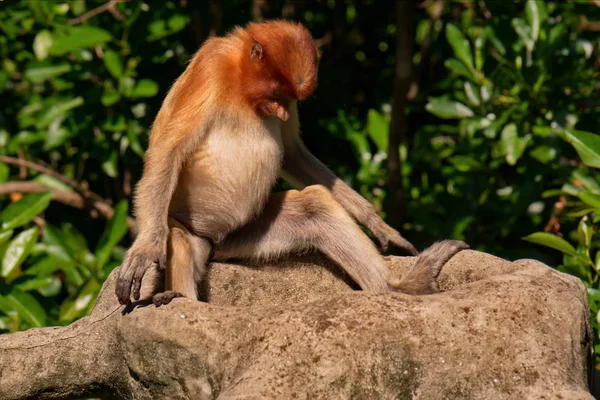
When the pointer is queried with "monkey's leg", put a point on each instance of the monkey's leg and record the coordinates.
(311, 218)
(187, 255)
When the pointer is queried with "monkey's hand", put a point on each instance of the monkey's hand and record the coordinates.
(138, 259)
(386, 236)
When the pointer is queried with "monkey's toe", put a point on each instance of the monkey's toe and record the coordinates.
(164, 298)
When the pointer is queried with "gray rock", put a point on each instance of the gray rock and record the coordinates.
(297, 329)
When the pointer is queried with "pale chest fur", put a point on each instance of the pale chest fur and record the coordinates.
(230, 178)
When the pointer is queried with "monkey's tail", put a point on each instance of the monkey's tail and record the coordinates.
(420, 279)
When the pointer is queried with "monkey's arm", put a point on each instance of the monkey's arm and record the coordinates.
(302, 168)
(163, 162)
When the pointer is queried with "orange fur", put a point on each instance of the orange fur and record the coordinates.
(226, 130)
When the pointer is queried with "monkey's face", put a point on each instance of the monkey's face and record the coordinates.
(287, 61)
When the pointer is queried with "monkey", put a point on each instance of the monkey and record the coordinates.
(227, 129)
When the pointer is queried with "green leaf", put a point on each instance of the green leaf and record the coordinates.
(378, 127)
(535, 12)
(40, 74)
(543, 154)
(448, 109)
(458, 68)
(52, 182)
(160, 28)
(56, 133)
(587, 146)
(112, 61)
(27, 283)
(19, 213)
(552, 241)
(17, 251)
(460, 45)
(512, 145)
(4, 171)
(73, 308)
(497, 43)
(533, 18)
(524, 32)
(109, 98)
(472, 94)
(58, 109)
(588, 182)
(42, 44)
(584, 233)
(114, 232)
(110, 165)
(590, 199)
(5, 236)
(144, 88)
(78, 37)
(465, 163)
(24, 304)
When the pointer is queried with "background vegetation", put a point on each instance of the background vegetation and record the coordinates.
(468, 120)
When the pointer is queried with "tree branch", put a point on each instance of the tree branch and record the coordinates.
(71, 199)
(110, 6)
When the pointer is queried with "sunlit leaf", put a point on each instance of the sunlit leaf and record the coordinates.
(448, 109)
(460, 45)
(590, 199)
(587, 146)
(24, 304)
(76, 307)
(144, 88)
(472, 94)
(552, 241)
(543, 154)
(109, 166)
(23, 211)
(512, 145)
(5, 236)
(78, 37)
(17, 251)
(40, 74)
(588, 182)
(42, 44)
(584, 233)
(535, 11)
(524, 32)
(377, 128)
(52, 182)
(57, 110)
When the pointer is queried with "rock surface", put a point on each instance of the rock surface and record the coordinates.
(294, 329)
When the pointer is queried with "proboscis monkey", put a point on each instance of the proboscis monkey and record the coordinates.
(227, 129)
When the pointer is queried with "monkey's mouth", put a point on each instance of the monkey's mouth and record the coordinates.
(275, 108)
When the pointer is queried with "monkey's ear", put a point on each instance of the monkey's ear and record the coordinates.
(257, 52)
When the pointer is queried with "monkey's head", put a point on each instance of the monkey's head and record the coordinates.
(283, 60)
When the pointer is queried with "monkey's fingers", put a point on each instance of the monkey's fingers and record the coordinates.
(140, 269)
(124, 279)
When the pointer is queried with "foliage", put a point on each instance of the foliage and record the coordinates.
(49, 275)
(501, 139)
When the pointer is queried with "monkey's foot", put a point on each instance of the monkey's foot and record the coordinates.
(164, 298)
